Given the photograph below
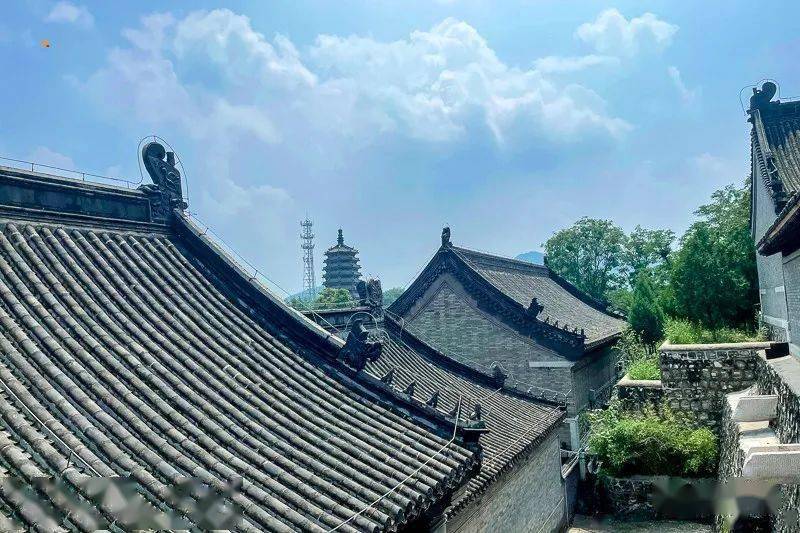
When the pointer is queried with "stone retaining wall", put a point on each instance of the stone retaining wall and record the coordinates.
(696, 377)
(639, 498)
(782, 377)
(639, 395)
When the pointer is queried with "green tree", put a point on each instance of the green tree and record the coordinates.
(589, 254)
(330, 298)
(714, 278)
(391, 295)
(649, 250)
(646, 317)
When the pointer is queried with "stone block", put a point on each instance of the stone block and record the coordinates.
(755, 408)
(780, 462)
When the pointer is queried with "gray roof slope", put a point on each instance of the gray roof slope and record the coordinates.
(125, 354)
(522, 281)
(516, 423)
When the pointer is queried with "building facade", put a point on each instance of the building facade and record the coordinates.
(520, 486)
(775, 182)
(485, 311)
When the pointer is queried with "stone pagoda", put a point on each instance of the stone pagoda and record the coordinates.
(341, 270)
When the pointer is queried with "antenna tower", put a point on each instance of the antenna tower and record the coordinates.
(309, 281)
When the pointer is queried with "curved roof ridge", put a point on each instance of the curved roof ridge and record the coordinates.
(511, 262)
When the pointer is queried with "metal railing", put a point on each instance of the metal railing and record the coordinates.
(83, 175)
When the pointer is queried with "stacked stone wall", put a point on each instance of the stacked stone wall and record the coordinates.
(774, 377)
(640, 395)
(696, 377)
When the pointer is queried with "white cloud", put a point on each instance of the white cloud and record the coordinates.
(69, 13)
(612, 33)
(437, 84)
(567, 64)
(688, 95)
(45, 156)
(212, 74)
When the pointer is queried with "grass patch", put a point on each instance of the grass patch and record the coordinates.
(680, 331)
(645, 368)
(649, 444)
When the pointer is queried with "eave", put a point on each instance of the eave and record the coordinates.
(784, 234)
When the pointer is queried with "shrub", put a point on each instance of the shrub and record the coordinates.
(637, 359)
(645, 368)
(680, 331)
(651, 444)
(646, 316)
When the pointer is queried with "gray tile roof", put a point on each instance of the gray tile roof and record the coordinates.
(516, 423)
(776, 139)
(522, 281)
(127, 353)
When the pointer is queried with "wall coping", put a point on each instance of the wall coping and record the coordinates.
(667, 347)
(788, 370)
(643, 383)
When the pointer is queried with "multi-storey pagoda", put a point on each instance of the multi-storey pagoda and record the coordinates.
(341, 269)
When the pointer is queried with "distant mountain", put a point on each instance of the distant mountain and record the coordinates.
(537, 258)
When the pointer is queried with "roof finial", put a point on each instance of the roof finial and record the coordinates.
(446, 236)
(534, 309)
(340, 238)
(433, 400)
(763, 96)
(165, 193)
(358, 349)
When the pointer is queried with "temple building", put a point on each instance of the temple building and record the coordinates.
(488, 311)
(136, 351)
(775, 182)
(341, 269)
(523, 484)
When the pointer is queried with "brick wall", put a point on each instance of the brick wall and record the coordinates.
(598, 375)
(696, 377)
(530, 498)
(791, 272)
(452, 324)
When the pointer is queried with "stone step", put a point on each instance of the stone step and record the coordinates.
(779, 461)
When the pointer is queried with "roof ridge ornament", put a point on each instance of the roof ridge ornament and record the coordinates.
(446, 237)
(165, 193)
(762, 97)
(358, 350)
(534, 308)
(340, 238)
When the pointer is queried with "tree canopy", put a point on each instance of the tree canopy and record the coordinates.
(589, 254)
(714, 278)
(710, 279)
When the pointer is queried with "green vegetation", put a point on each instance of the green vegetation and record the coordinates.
(645, 368)
(682, 331)
(714, 276)
(391, 295)
(646, 317)
(638, 359)
(708, 280)
(651, 444)
(328, 298)
(589, 254)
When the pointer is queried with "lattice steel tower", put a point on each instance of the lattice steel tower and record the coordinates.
(309, 280)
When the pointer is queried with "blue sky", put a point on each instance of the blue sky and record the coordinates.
(506, 120)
